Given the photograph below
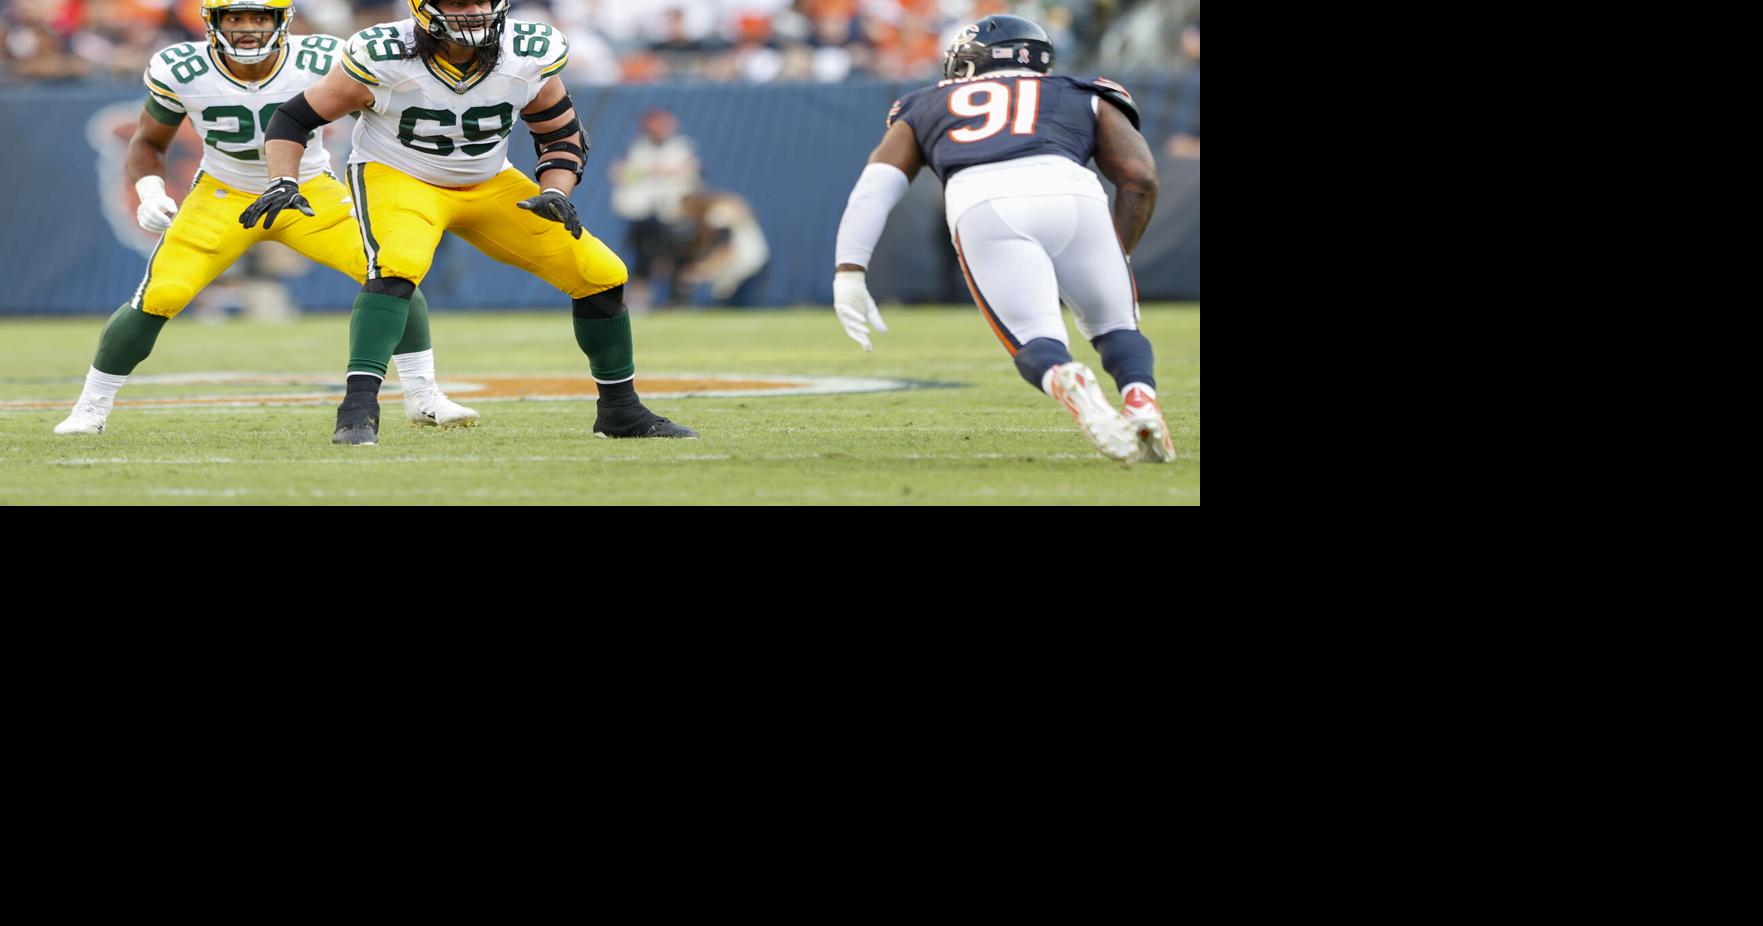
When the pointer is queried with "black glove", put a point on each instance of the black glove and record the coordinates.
(556, 207)
(283, 193)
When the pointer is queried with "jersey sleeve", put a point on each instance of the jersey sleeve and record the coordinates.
(315, 53)
(543, 50)
(904, 108)
(358, 64)
(556, 58)
(163, 102)
(1116, 94)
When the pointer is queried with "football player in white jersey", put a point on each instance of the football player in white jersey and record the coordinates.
(438, 93)
(229, 87)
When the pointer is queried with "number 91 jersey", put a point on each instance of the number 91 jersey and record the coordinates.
(434, 123)
(1003, 116)
(232, 115)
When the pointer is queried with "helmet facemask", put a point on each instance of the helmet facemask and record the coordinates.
(269, 41)
(473, 29)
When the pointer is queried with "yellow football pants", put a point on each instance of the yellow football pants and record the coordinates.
(205, 238)
(402, 219)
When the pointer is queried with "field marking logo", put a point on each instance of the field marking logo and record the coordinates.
(246, 390)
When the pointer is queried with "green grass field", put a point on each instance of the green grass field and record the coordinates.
(970, 432)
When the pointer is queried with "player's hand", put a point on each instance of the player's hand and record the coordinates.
(554, 205)
(856, 309)
(283, 193)
(157, 208)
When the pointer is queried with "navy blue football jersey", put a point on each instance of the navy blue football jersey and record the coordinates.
(985, 119)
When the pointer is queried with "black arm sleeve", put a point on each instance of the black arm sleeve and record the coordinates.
(295, 121)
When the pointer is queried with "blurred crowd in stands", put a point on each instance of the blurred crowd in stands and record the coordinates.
(633, 41)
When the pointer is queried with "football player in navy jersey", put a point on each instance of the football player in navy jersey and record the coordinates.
(1030, 223)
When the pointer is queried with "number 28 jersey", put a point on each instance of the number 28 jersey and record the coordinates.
(231, 115)
(1002, 116)
(435, 123)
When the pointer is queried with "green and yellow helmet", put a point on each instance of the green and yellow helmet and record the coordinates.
(477, 29)
(268, 43)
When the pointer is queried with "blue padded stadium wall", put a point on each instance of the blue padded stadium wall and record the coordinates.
(792, 151)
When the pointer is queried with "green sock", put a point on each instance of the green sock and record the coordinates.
(374, 329)
(607, 342)
(416, 329)
(127, 340)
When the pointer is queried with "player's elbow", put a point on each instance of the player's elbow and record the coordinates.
(140, 145)
(1141, 180)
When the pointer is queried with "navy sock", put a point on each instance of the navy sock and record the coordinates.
(1126, 355)
(1035, 358)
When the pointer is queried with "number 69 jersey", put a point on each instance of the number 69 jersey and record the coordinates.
(231, 115)
(434, 123)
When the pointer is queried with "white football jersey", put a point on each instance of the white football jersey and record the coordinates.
(231, 115)
(435, 124)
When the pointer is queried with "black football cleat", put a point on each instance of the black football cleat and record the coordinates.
(636, 421)
(358, 421)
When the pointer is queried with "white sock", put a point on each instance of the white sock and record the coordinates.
(416, 371)
(1047, 379)
(1149, 392)
(101, 385)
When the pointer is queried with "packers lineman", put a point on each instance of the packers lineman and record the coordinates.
(230, 88)
(438, 94)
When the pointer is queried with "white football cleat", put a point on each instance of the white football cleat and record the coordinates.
(1074, 385)
(87, 417)
(1146, 419)
(430, 407)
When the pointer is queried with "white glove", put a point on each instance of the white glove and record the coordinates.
(851, 300)
(156, 207)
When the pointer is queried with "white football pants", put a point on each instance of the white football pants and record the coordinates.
(1023, 254)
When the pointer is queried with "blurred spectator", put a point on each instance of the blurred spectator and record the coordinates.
(591, 58)
(648, 184)
(38, 40)
(120, 35)
(1146, 36)
(724, 246)
(322, 17)
(1185, 143)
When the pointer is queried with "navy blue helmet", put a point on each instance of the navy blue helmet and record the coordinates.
(996, 43)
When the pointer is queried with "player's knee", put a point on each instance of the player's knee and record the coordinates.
(403, 266)
(396, 287)
(166, 300)
(1039, 355)
(602, 266)
(606, 304)
(355, 270)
